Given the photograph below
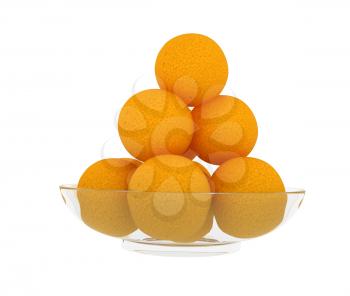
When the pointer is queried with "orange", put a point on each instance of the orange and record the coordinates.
(225, 128)
(102, 207)
(258, 200)
(155, 122)
(193, 67)
(161, 200)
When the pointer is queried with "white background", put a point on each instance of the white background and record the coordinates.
(66, 67)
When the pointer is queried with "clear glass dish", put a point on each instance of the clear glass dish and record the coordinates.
(182, 224)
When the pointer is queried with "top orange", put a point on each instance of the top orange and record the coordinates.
(193, 67)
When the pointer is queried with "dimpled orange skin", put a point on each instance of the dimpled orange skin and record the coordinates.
(163, 206)
(107, 210)
(155, 122)
(192, 66)
(225, 128)
(208, 224)
(258, 201)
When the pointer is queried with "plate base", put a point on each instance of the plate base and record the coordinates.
(164, 248)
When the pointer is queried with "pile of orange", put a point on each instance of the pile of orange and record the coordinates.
(164, 193)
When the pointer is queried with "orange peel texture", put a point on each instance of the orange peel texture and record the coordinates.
(258, 200)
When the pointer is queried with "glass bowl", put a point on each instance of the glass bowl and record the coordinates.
(182, 223)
